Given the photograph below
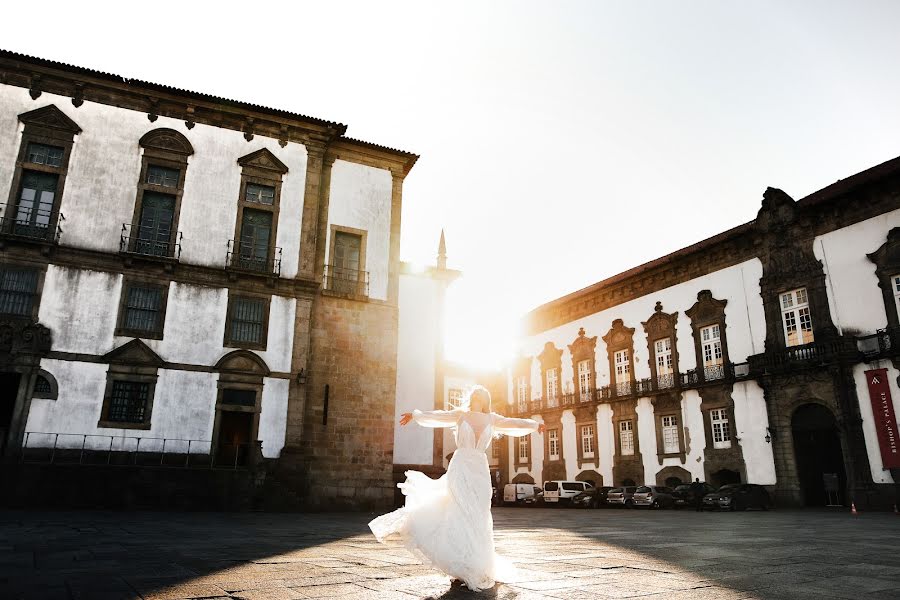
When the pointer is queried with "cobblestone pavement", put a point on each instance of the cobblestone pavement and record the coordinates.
(565, 554)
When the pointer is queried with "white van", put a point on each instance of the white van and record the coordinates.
(516, 493)
(562, 492)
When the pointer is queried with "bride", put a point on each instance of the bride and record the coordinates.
(447, 522)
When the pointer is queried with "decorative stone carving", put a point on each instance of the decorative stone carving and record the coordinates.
(263, 159)
(50, 117)
(135, 352)
(20, 337)
(243, 362)
(167, 140)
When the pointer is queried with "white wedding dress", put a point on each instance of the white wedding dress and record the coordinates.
(447, 522)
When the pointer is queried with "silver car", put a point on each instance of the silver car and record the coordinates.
(621, 496)
(654, 496)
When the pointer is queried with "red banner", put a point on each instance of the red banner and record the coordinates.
(885, 421)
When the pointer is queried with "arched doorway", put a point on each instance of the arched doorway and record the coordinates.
(724, 477)
(523, 478)
(673, 477)
(591, 476)
(817, 449)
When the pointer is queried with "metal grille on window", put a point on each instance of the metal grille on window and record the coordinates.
(584, 380)
(553, 442)
(664, 367)
(626, 438)
(17, 290)
(259, 194)
(670, 435)
(721, 432)
(142, 309)
(42, 385)
(247, 320)
(42, 154)
(712, 352)
(128, 402)
(587, 441)
(552, 381)
(523, 447)
(162, 176)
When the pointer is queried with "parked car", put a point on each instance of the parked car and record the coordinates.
(537, 499)
(738, 496)
(684, 495)
(621, 496)
(562, 492)
(654, 496)
(592, 498)
(517, 493)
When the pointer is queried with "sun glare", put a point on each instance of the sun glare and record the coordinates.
(480, 333)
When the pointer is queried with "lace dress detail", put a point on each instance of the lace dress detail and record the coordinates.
(447, 522)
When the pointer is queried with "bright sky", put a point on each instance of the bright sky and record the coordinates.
(560, 142)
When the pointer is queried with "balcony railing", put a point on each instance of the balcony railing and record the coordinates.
(881, 343)
(149, 241)
(522, 405)
(256, 258)
(568, 399)
(807, 355)
(34, 224)
(342, 280)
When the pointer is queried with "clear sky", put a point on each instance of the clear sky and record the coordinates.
(561, 142)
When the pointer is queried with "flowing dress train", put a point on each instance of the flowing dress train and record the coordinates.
(447, 522)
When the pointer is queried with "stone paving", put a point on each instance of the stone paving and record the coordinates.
(560, 554)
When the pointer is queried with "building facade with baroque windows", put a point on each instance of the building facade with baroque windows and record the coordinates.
(187, 275)
(767, 354)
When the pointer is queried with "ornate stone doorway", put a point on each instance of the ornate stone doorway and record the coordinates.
(818, 452)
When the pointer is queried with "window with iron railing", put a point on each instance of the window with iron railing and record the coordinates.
(895, 285)
(552, 388)
(247, 321)
(18, 289)
(128, 401)
(585, 386)
(711, 345)
(622, 360)
(796, 318)
(664, 367)
(142, 310)
(522, 393)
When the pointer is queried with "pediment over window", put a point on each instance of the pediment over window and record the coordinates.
(707, 309)
(52, 118)
(134, 353)
(887, 257)
(263, 159)
(550, 357)
(777, 212)
(660, 324)
(243, 362)
(583, 346)
(618, 335)
(167, 140)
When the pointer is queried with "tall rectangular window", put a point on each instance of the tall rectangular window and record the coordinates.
(18, 288)
(345, 271)
(454, 398)
(553, 443)
(623, 372)
(711, 343)
(42, 154)
(34, 209)
(255, 238)
(128, 401)
(143, 310)
(247, 322)
(895, 284)
(584, 380)
(670, 435)
(522, 393)
(796, 318)
(720, 428)
(663, 349)
(552, 387)
(587, 441)
(523, 448)
(626, 437)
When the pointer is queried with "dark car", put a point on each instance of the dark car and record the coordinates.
(685, 496)
(593, 498)
(738, 496)
(654, 496)
(621, 496)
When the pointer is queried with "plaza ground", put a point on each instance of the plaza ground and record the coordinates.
(564, 554)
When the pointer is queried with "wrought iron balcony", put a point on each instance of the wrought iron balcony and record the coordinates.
(342, 280)
(255, 258)
(808, 355)
(32, 224)
(152, 241)
(536, 404)
(568, 399)
(522, 406)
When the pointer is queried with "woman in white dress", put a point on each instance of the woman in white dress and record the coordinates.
(447, 522)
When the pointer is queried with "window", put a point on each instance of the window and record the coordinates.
(623, 372)
(128, 403)
(42, 154)
(253, 247)
(247, 322)
(522, 393)
(895, 285)
(553, 443)
(711, 343)
(495, 450)
(454, 398)
(523, 448)
(796, 318)
(142, 312)
(721, 432)
(154, 223)
(259, 194)
(670, 435)
(346, 273)
(664, 356)
(587, 441)
(626, 437)
(18, 288)
(238, 397)
(552, 386)
(584, 380)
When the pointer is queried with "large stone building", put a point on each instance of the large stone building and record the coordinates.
(766, 354)
(185, 275)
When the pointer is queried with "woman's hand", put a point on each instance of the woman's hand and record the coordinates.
(405, 418)
(541, 428)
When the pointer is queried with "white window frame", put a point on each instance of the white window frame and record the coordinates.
(663, 352)
(721, 430)
(553, 443)
(626, 437)
(623, 366)
(522, 393)
(711, 344)
(454, 398)
(796, 319)
(671, 443)
(523, 449)
(587, 441)
(895, 285)
(584, 380)
(552, 387)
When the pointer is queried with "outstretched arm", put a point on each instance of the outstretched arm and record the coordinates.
(517, 427)
(431, 418)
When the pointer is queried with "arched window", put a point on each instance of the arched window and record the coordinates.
(45, 386)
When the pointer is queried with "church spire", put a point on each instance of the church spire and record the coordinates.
(442, 252)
